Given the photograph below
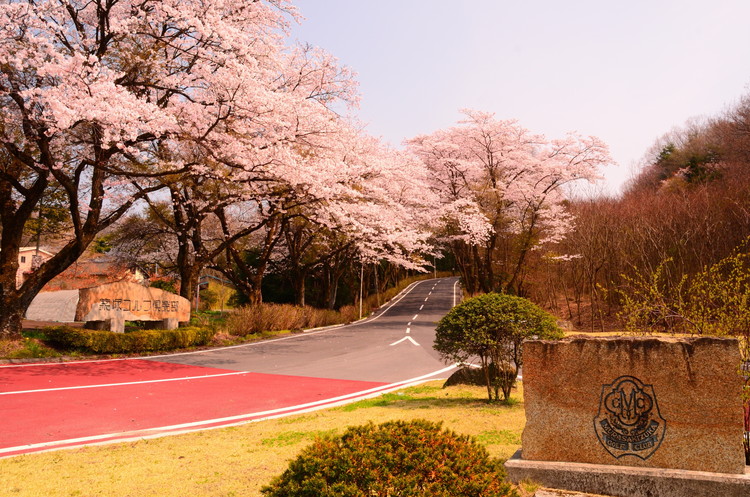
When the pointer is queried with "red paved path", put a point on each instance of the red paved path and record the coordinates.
(34, 418)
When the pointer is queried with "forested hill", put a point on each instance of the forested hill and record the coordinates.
(688, 209)
(716, 151)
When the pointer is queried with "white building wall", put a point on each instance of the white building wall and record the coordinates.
(26, 257)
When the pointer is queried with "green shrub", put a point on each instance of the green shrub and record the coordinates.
(492, 327)
(107, 342)
(396, 458)
(208, 298)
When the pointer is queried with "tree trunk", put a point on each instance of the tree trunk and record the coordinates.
(11, 318)
(189, 277)
(255, 296)
(488, 279)
(485, 285)
(188, 269)
(331, 277)
(463, 266)
(14, 302)
(333, 294)
(299, 287)
(514, 285)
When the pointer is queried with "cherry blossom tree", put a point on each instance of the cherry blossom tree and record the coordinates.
(307, 246)
(355, 193)
(501, 191)
(96, 94)
(383, 216)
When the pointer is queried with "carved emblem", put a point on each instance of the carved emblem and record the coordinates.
(629, 422)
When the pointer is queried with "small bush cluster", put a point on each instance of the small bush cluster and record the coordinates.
(493, 327)
(257, 319)
(106, 342)
(401, 458)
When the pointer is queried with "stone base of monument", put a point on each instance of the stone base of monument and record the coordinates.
(627, 481)
(115, 325)
(164, 324)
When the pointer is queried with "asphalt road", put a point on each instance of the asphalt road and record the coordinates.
(61, 405)
(393, 345)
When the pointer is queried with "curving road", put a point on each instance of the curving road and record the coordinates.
(52, 406)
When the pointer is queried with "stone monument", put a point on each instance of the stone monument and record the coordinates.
(632, 417)
(109, 306)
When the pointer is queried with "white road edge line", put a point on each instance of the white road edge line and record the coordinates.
(230, 420)
(142, 382)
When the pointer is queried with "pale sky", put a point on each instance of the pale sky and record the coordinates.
(625, 71)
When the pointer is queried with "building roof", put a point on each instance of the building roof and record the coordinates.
(34, 249)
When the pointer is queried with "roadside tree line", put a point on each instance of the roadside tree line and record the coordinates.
(193, 135)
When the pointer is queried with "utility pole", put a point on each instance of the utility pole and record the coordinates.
(377, 288)
(361, 282)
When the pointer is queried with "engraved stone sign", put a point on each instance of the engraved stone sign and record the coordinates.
(633, 417)
(629, 422)
(643, 402)
(112, 304)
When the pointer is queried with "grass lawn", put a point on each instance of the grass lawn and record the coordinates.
(238, 461)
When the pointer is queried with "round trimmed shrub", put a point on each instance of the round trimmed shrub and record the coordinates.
(397, 458)
(492, 328)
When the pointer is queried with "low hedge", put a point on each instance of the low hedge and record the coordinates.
(107, 342)
(397, 458)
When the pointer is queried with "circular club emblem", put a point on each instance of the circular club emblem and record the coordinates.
(629, 422)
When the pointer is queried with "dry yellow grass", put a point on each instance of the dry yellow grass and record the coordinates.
(238, 461)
